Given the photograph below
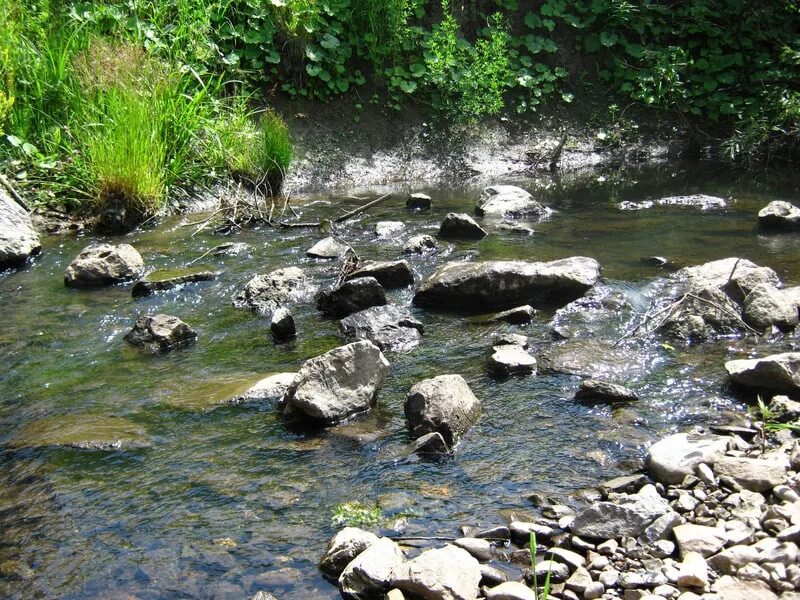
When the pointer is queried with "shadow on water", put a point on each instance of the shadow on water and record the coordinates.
(223, 501)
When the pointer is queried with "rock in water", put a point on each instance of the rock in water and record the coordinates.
(491, 285)
(351, 296)
(391, 328)
(328, 247)
(516, 316)
(367, 576)
(389, 229)
(509, 202)
(511, 359)
(390, 274)
(676, 456)
(266, 293)
(83, 432)
(592, 389)
(420, 244)
(160, 333)
(774, 373)
(268, 390)
(159, 282)
(282, 325)
(460, 226)
(445, 404)
(343, 548)
(103, 264)
(336, 385)
(18, 238)
(448, 573)
(779, 214)
(766, 306)
(419, 201)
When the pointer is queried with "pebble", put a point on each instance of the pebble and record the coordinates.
(593, 591)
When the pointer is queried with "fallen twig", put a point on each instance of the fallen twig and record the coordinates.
(360, 209)
(15, 195)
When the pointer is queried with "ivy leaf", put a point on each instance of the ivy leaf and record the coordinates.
(608, 38)
(329, 41)
(532, 20)
(313, 70)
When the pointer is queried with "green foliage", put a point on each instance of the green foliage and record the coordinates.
(356, 514)
(544, 593)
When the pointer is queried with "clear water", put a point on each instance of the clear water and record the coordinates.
(147, 523)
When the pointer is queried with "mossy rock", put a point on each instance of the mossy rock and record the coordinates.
(84, 432)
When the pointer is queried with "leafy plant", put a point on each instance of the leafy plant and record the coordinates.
(356, 514)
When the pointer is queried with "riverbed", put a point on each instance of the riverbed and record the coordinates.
(223, 501)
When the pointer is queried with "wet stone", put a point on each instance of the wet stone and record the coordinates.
(510, 359)
(603, 391)
(282, 325)
(419, 201)
(351, 296)
(160, 281)
(460, 226)
(420, 244)
(389, 327)
(83, 432)
(328, 248)
(516, 316)
(160, 333)
(390, 274)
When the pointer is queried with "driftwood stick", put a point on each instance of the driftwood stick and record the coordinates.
(360, 209)
(15, 195)
(554, 158)
(298, 225)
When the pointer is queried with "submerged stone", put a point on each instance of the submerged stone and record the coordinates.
(159, 281)
(84, 432)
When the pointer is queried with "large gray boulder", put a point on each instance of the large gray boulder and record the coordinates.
(18, 238)
(486, 286)
(367, 576)
(444, 404)
(351, 296)
(774, 373)
(779, 214)
(335, 385)
(626, 515)
(509, 202)
(460, 226)
(160, 333)
(104, 264)
(390, 327)
(676, 456)
(343, 548)
(766, 306)
(390, 274)
(266, 293)
(448, 573)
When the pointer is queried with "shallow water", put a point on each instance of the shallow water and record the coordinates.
(225, 501)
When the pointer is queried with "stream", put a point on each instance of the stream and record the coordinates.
(224, 501)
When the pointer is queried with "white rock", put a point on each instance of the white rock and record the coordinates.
(510, 590)
(672, 458)
(693, 571)
(698, 538)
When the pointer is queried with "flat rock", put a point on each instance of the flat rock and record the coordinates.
(699, 538)
(627, 515)
(18, 238)
(519, 315)
(367, 576)
(104, 264)
(389, 327)
(603, 391)
(736, 589)
(430, 444)
(774, 373)
(593, 359)
(419, 201)
(479, 548)
(159, 281)
(510, 359)
(420, 244)
(779, 214)
(460, 226)
(676, 456)
(83, 432)
(266, 293)
(336, 385)
(752, 474)
(390, 274)
(448, 573)
(343, 548)
(389, 229)
(509, 202)
(160, 333)
(444, 404)
(328, 248)
(351, 296)
(510, 590)
(486, 286)
(268, 390)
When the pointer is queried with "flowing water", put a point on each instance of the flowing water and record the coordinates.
(225, 501)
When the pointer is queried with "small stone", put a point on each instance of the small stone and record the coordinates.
(705, 474)
(790, 534)
(387, 229)
(479, 548)
(608, 547)
(430, 444)
(664, 548)
(627, 484)
(460, 226)
(510, 359)
(639, 580)
(697, 538)
(419, 201)
(343, 548)
(351, 296)
(516, 316)
(491, 576)
(558, 571)
(500, 532)
(785, 493)
(394, 594)
(155, 282)
(579, 580)
(521, 531)
(104, 264)
(609, 578)
(594, 390)
(282, 325)
(510, 590)
(420, 244)
(328, 248)
(390, 274)
(750, 473)
(594, 590)
(693, 572)
(732, 559)
(572, 559)
(160, 333)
